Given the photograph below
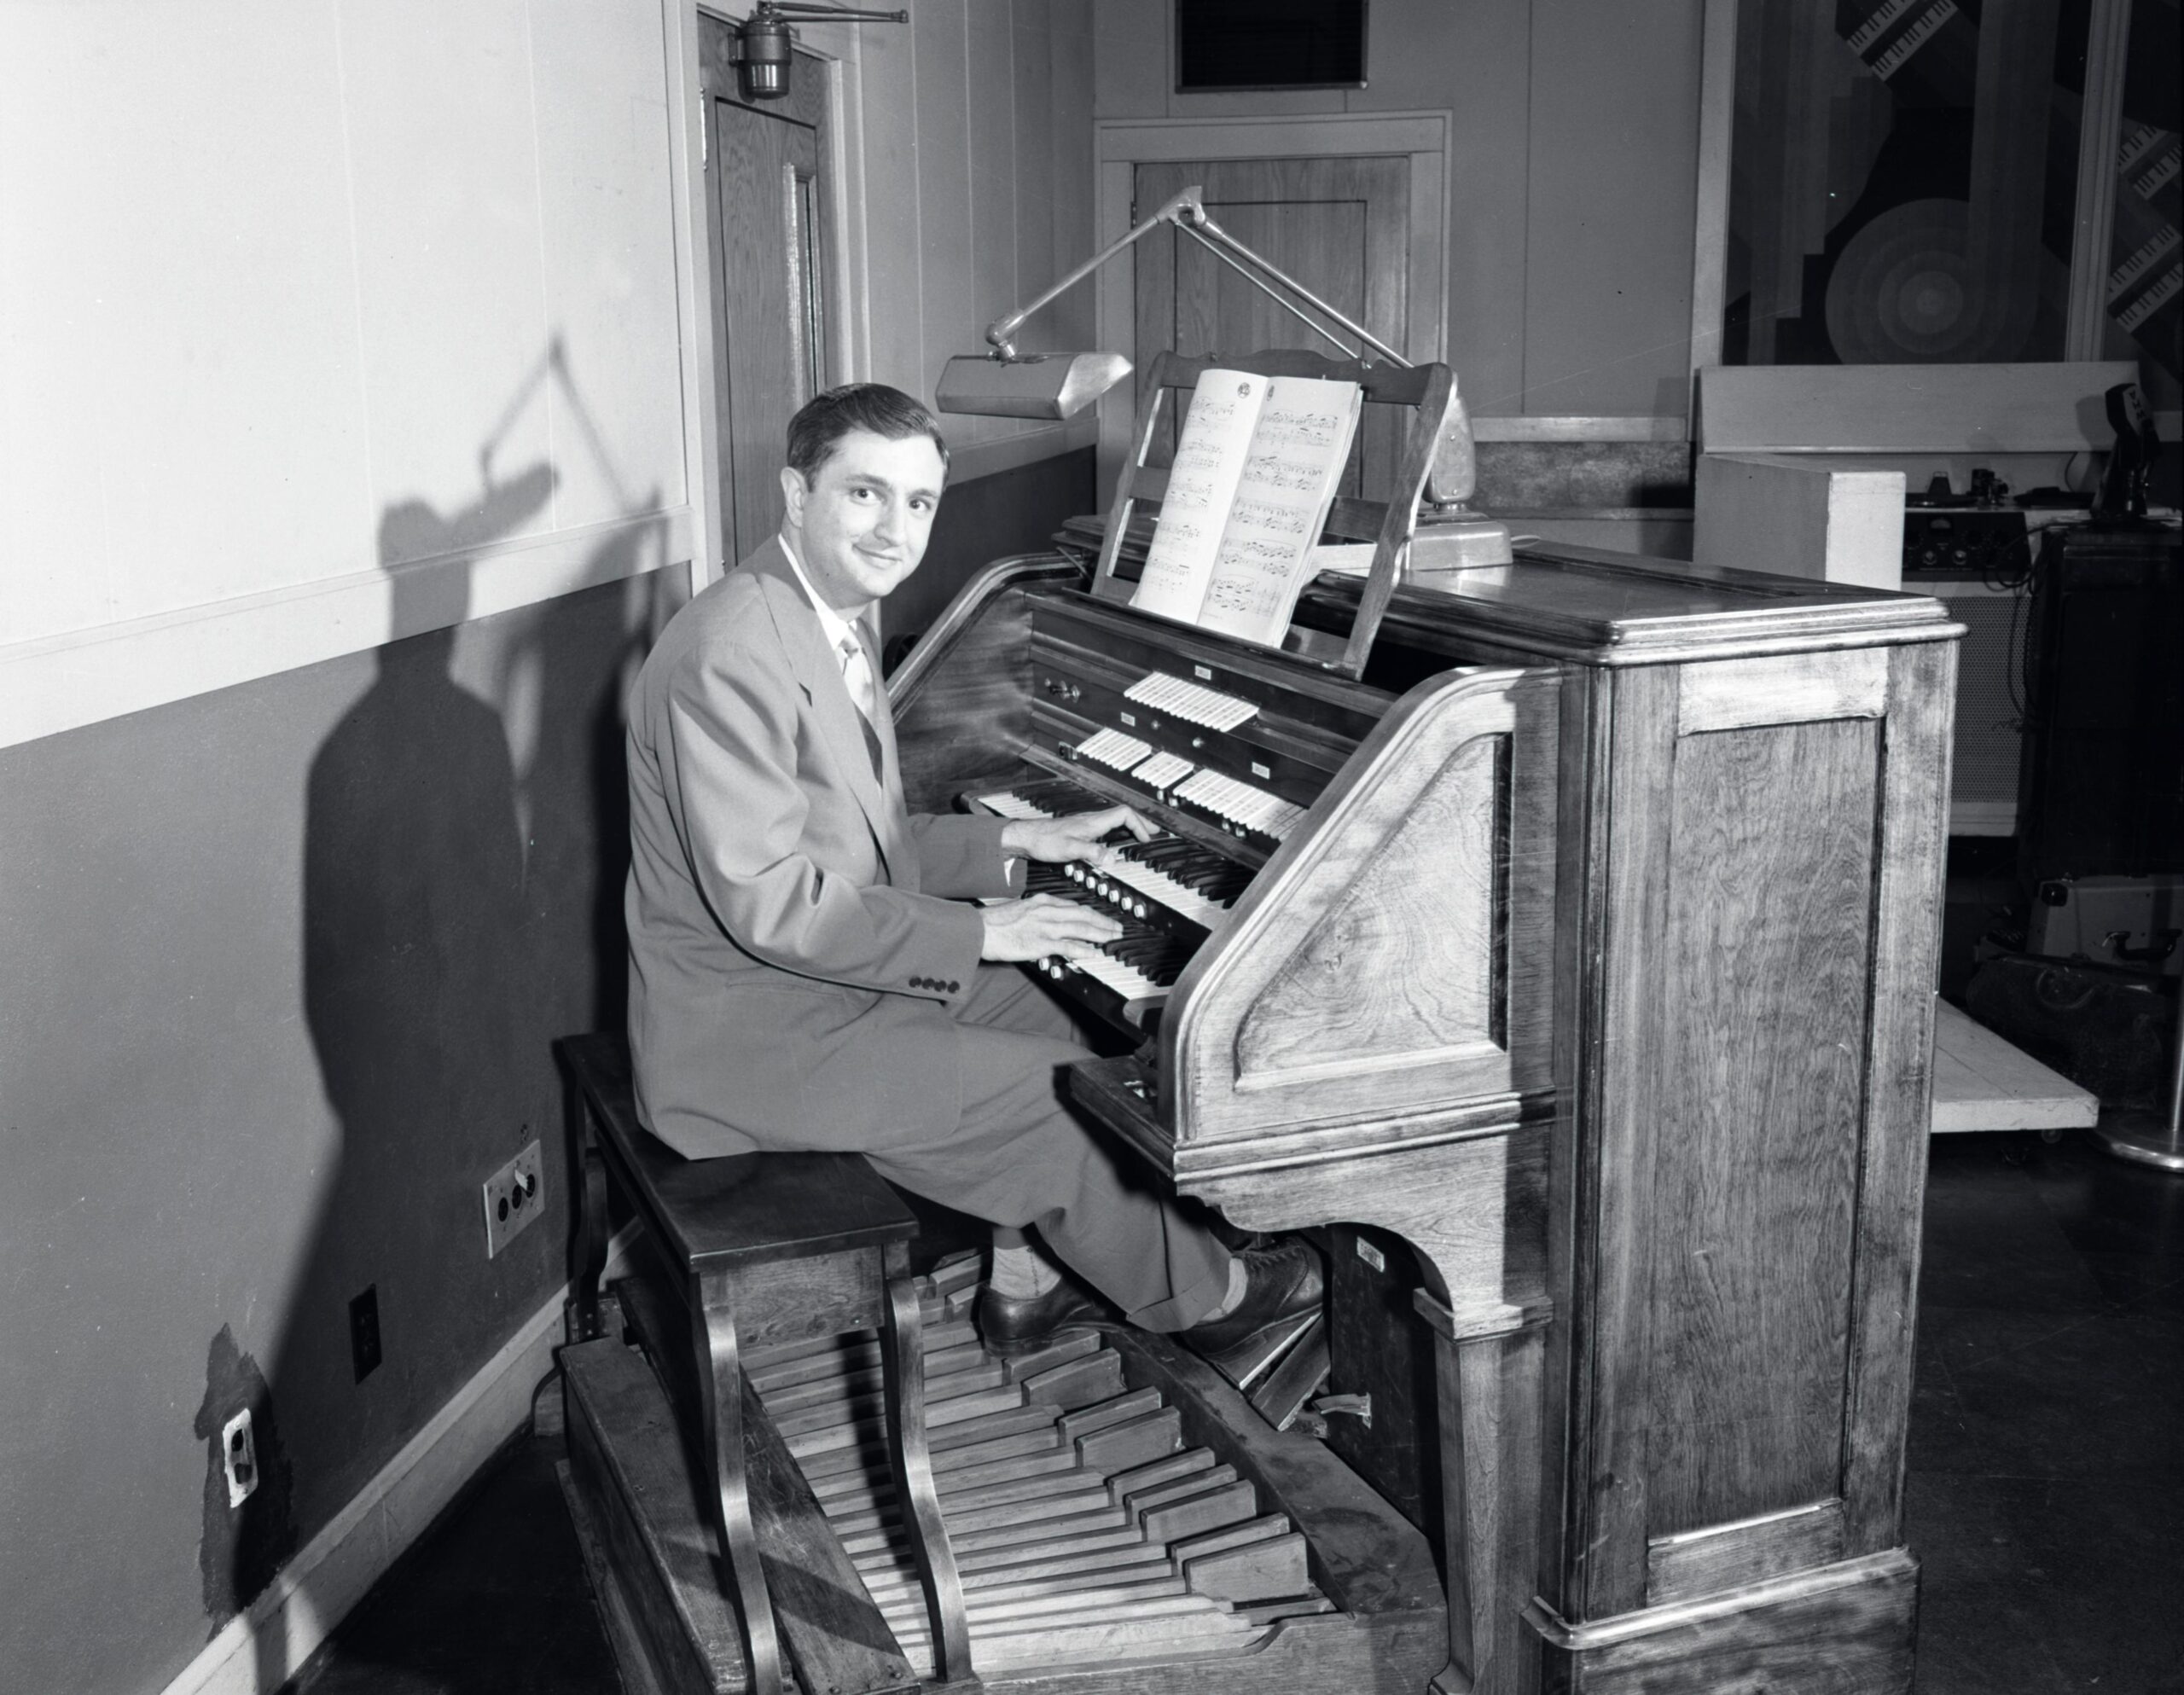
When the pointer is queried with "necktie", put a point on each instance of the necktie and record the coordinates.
(856, 673)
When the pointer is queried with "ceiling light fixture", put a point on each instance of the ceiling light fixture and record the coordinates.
(765, 45)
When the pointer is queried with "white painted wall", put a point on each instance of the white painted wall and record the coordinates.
(273, 272)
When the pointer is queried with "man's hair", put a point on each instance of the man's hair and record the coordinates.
(825, 419)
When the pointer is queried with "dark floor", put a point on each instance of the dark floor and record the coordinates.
(2046, 1497)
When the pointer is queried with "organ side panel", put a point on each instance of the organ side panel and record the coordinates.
(1393, 960)
(1746, 1128)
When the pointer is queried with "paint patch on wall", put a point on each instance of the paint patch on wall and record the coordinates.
(242, 1547)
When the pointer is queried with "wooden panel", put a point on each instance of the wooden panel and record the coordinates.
(1340, 226)
(997, 154)
(1206, 1080)
(1764, 970)
(1983, 1083)
(790, 1299)
(1729, 1556)
(939, 179)
(758, 156)
(1038, 184)
(1475, 1210)
(1898, 1102)
(624, 1449)
(1745, 694)
(836, 1636)
(1613, 1060)
(618, 1608)
(1403, 963)
(1843, 1631)
(1490, 1404)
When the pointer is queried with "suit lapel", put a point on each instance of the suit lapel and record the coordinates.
(818, 673)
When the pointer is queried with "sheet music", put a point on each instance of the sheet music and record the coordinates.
(1201, 487)
(1298, 447)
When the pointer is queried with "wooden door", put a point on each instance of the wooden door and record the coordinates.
(767, 203)
(1340, 226)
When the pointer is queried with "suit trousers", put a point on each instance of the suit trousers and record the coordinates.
(1019, 1156)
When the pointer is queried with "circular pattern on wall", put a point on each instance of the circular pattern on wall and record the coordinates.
(1902, 292)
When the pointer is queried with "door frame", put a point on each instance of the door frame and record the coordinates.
(847, 320)
(1121, 145)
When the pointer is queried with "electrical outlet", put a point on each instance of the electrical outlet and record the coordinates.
(514, 1195)
(364, 1332)
(239, 1454)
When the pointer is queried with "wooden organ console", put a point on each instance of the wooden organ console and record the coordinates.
(1584, 941)
(1587, 944)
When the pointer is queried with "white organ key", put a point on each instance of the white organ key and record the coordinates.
(1112, 748)
(1192, 702)
(1125, 979)
(1164, 770)
(1010, 804)
(1178, 897)
(1240, 802)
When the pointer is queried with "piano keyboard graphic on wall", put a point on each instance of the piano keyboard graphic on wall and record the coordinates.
(1083, 1528)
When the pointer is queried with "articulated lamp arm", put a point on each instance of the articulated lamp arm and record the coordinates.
(1007, 383)
(1001, 333)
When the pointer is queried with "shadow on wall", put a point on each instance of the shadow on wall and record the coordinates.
(461, 909)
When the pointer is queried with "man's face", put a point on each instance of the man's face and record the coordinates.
(860, 522)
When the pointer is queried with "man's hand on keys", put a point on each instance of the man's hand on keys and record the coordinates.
(1041, 926)
(1058, 840)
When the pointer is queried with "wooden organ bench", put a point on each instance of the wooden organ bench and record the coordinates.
(765, 1249)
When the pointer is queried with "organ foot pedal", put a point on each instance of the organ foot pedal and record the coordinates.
(1122, 1520)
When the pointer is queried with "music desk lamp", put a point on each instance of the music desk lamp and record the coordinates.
(1004, 382)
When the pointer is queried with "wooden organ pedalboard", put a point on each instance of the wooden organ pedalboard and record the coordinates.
(1579, 955)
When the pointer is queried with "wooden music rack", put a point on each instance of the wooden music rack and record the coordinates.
(1430, 390)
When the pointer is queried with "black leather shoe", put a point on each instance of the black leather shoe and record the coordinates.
(1013, 1325)
(1283, 1283)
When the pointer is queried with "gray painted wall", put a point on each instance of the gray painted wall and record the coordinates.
(282, 964)
(1574, 192)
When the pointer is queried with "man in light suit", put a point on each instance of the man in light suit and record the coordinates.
(803, 970)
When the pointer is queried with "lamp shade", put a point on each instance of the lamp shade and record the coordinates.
(1030, 385)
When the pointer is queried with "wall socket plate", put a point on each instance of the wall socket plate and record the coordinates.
(238, 1457)
(514, 1195)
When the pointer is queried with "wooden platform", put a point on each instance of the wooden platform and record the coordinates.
(1980, 1082)
(1191, 1567)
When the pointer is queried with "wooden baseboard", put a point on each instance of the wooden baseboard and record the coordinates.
(265, 1645)
(1844, 1628)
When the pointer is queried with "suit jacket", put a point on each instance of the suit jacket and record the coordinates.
(793, 946)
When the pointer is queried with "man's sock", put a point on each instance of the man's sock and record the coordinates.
(1021, 1272)
(1239, 1281)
